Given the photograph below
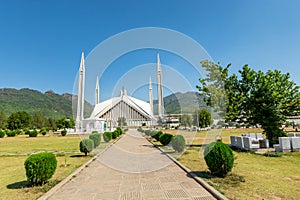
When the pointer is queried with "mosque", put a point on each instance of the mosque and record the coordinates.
(106, 114)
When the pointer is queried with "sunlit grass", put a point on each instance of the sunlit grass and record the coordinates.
(253, 176)
(15, 150)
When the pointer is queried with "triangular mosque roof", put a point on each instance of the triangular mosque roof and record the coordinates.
(141, 106)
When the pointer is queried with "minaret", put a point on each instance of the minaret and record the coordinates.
(159, 90)
(80, 101)
(97, 93)
(150, 95)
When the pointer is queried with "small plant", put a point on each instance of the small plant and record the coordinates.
(10, 133)
(86, 146)
(139, 129)
(96, 137)
(40, 167)
(119, 130)
(219, 158)
(107, 136)
(115, 134)
(33, 133)
(63, 132)
(165, 139)
(178, 143)
(157, 135)
(2, 133)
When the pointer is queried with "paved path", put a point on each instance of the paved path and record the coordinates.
(132, 169)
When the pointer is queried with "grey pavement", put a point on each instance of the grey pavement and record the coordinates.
(132, 169)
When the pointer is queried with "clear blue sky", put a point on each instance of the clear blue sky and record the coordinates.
(41, 41)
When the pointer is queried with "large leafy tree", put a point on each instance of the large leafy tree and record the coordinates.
(19, 120)
(202, 118)
(3, 119)
(65, 122)
(254, 98)
(38, 120)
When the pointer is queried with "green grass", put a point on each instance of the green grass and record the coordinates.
(253, 176)
(15, 150)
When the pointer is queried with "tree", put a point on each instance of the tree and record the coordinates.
(19, 120)
(51, 124)
(203, 119)
(3, 120)
(186, 120)
(65, 122)
(255, 98)
(122, 121)
(38, 120)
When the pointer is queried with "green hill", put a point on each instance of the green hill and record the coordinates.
(181, 103)
(49, 103)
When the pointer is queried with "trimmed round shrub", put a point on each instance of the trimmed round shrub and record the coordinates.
(219, 158)
(10, 133)
(86, 146)
(96, 137)
(107, 136)
(148, 132)
(165, 139)
(139, 129)
(178, 143)
(40, 167)
(120, 130)
(157, 135)
(2, 133)
(63, 132)
(115, 134)
(95, 132)
(33, 133)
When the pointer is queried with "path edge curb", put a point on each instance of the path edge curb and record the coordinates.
(199, 180)
(77, 171)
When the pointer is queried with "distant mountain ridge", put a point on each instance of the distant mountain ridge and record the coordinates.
(55, 105)
(49, 103)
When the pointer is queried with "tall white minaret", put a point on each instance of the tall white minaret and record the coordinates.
(150, 95)
(97, 93)
(80, 101)
(159, 89)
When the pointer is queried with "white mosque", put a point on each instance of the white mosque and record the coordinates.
(106, 114)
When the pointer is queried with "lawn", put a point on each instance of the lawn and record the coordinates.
(253, 176)
(15, 150)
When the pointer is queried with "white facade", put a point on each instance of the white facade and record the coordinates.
(106, 114)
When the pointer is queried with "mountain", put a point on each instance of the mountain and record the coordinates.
(181, 103)
(49, 103)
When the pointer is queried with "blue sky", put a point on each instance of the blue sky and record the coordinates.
(41, 41)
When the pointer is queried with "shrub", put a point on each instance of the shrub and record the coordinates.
(26, 131)
(219, 158)
(165, 139)
(95, 132)
(157, 135)
(63, 132)
(43, 131)
(86, 146)
(10, 133)
(17, 131)
(178, 143)
(119, 130)
(96, 137)
(148, 132)
(2, 133)
(107, 136)
(139, 129)
(40, 167)
(33, 133)
(115, 134)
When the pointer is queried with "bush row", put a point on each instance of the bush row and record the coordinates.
(177, 142)
(87, 145)
(32, 133)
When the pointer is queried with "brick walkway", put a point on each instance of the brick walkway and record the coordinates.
(132, 169)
